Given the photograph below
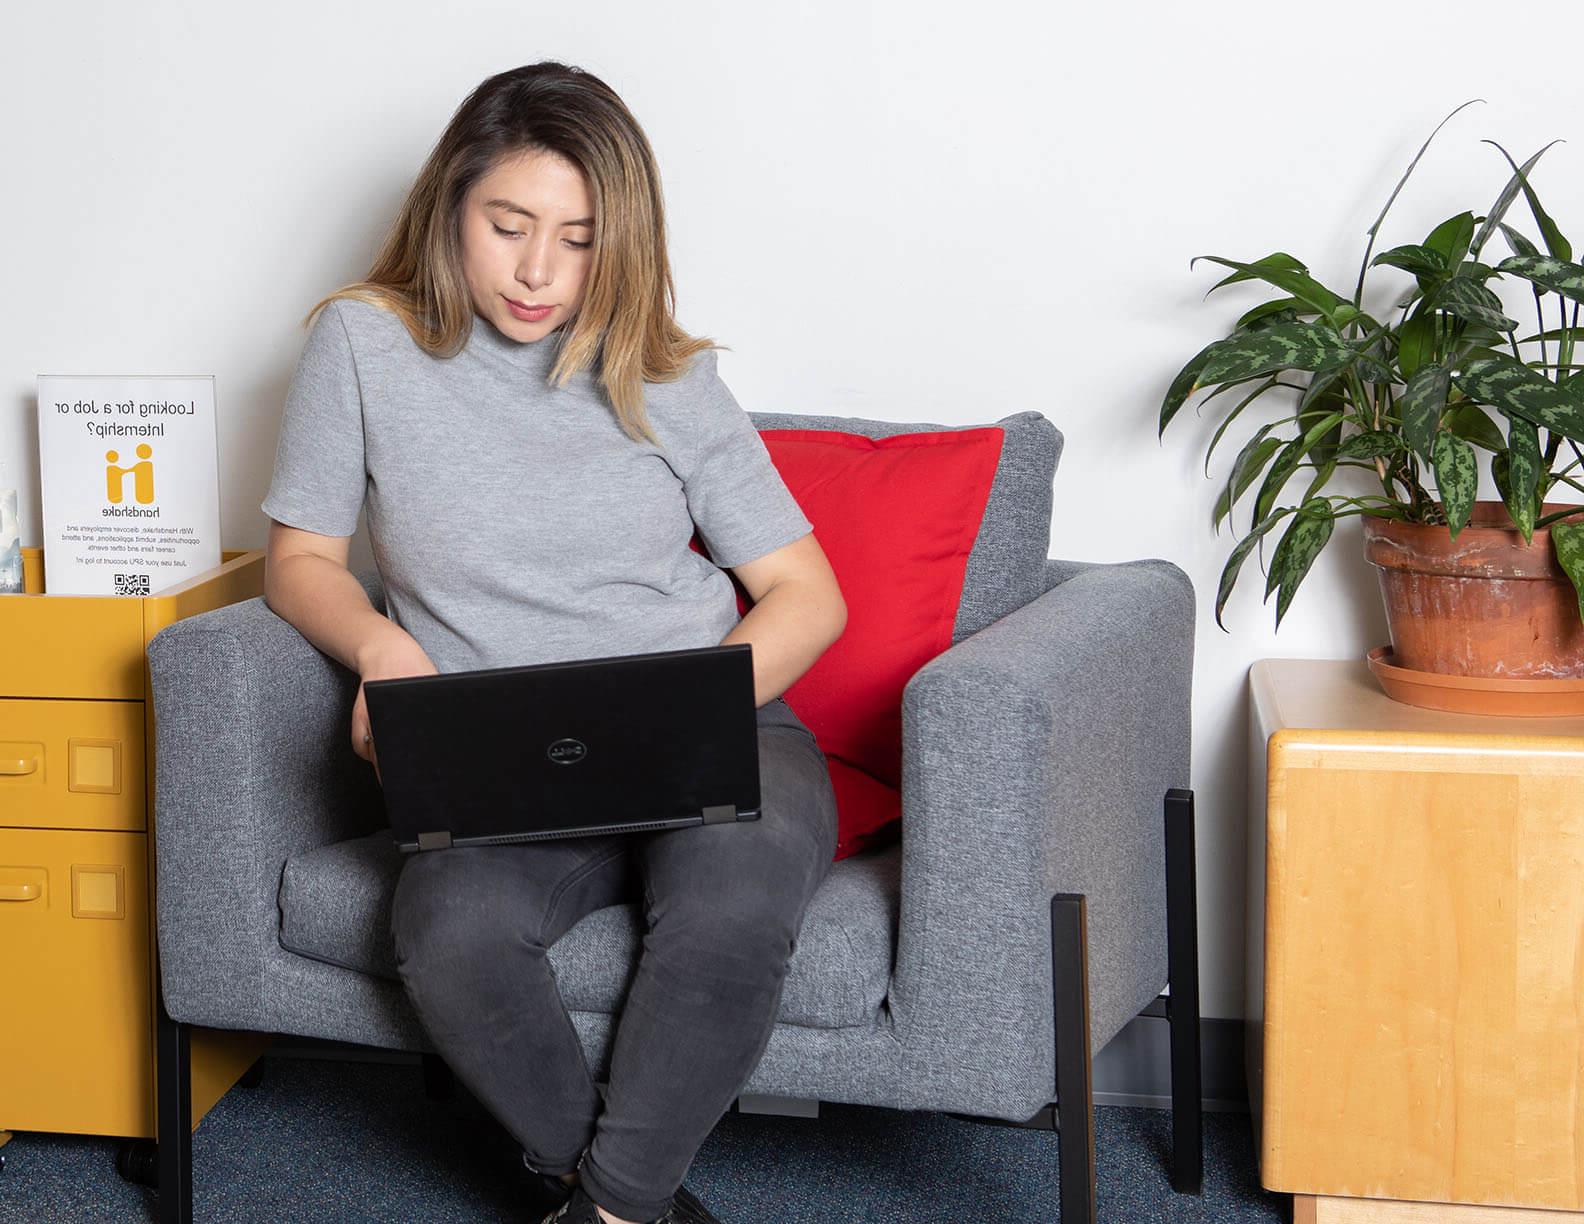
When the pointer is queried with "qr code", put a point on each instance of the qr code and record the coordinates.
(131, 584)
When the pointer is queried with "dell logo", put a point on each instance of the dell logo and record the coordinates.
(567, 751)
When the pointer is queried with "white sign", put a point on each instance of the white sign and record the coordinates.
(129, 479)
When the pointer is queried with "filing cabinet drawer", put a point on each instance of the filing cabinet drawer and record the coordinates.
(88, 646)
(76, 1028)
(72, 765)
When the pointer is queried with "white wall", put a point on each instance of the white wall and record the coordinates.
(906, 211)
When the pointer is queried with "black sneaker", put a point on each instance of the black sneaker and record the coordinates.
(550, 1190)
(580, 1209)
(686, 1209)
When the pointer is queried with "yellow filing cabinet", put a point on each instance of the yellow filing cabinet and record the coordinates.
(1415, 954)
(77, 950)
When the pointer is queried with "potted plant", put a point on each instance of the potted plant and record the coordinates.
(1418, 400)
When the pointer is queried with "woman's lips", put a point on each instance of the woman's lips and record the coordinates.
(526, 315)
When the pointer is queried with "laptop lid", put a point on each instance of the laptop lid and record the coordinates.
(618, 743)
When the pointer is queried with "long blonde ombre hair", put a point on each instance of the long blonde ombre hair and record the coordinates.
(625, 326)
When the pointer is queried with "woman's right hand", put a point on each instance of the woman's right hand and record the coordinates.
(395, 657)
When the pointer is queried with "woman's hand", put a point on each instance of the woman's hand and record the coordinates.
(394, 657)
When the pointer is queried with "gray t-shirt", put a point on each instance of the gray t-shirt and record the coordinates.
(513, 523)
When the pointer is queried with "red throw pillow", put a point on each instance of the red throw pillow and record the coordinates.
(897, 517)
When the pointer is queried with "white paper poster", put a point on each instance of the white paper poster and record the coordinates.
(129, 480)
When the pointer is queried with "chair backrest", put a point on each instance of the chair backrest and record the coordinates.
(1006, 568)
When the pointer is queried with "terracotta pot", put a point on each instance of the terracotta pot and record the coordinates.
(1485, 604)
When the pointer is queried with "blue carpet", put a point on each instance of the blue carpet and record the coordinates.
(347, 1141)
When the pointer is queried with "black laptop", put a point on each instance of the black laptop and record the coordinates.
(619, 744)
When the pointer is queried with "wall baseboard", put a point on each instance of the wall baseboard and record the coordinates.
(1135, 1068)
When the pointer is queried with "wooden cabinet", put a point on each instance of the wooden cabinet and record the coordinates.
(1415, 954)
(77, 945)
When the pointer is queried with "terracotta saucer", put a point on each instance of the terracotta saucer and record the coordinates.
(1538, 698)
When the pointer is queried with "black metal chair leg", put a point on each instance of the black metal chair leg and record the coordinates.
(173, 1125)
(439, 1083)
(1182, 958)
(1074, 1078)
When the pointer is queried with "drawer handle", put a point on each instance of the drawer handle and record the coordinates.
(26, 765)
(25, 891)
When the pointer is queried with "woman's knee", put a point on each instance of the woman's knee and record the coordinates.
(448, 920)
(798, 798)
(746, 919)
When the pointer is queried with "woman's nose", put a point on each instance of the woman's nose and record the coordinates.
(535, 269)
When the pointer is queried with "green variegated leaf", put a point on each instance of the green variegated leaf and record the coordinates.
(1420, 260)
(1374, 230)
(1250, 463)
(1520, 245)
(1371, 370)
(1321, 387)
(1503, 483)
(1468, 299)
(1504, 201)
(1300, 544)
(1549, 335)
(1328, 388)
(1451, 239)
(1278, 310)
(1279, 260)
(1416, 341)
(1456, 478)
(1280, 472)
(1322, 475)
(1237, 409)
(1568, 539)
(1555, 243)
(1557, 275)
(1283, 271)
(1514, 388)
(1371, 444)
(1183, 385)
(1473, 424)
(1235, 562)
(1523, 473)
(1247, 466)
(1331, 409)
(1421, 405)
(1286, 463)
(1282, 346)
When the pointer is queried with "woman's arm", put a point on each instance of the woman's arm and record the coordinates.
(796, 613)
(307, 583)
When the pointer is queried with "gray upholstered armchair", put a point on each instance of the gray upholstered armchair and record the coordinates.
(973, 967)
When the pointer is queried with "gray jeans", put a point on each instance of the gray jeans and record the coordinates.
(723, 905)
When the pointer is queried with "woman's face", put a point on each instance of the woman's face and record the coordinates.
(528, 240)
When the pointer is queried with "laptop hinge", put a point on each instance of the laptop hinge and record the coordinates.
(434, 841)
(720, 813)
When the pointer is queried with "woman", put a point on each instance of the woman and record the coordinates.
(537, 440)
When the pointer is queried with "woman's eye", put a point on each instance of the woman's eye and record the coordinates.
(506, 233)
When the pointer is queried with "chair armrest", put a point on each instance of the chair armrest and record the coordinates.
(253, 764)
(1036, 755)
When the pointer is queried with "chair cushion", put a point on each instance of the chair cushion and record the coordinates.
(1007, 565)
(933, 532)
(335, 904)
